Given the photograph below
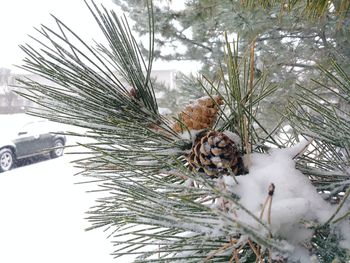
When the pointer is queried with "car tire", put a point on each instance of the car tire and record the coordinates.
(58, 151)
(7, 159)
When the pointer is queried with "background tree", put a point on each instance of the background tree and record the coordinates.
(9, 100)
(176, 99)
(288, 43)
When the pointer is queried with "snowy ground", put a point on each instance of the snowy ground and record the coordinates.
(42, 216)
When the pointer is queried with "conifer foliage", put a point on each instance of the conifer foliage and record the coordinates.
(212, 193)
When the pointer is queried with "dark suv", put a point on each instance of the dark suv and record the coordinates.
(34, 138)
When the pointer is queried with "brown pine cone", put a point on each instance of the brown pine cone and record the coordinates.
(215, 153)
(200, 114)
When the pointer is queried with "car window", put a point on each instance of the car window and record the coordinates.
(33, 128)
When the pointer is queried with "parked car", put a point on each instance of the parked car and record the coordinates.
(33, 139)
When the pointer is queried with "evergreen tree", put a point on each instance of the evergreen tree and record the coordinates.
(288, 43)
(176, 99)
(205, 186)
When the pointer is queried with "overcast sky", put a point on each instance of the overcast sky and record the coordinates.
(19, 17)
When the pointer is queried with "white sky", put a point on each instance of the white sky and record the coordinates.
(19, 17)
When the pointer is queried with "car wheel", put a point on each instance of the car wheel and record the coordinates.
(58, 151)
(7, 159)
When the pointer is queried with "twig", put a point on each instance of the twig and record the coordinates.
(263, 208)
(256, 251)
(258, 258)
(246, 122)
(268, 202)
(233, 175)
(271, 192)
(236, 251)
(226, 246)
(234, 255)
(223, 248)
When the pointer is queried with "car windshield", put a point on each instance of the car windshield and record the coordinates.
(11, 124)
(35, 127)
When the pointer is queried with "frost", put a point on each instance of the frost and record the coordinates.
(207, 147)
(146, 162)
(189, 182)
(233, 137)
(229, 181)
(216, 160)
(190, 135)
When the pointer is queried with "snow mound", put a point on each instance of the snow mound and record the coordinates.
(295, 201)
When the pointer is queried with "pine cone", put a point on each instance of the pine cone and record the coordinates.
(200, 114)
(215, 153)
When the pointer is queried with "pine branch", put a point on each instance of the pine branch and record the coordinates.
(328, 163)
(158, 208)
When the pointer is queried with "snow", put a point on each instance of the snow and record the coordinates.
(189, 135)
(42, 216)
(293, 207)
(294, 201)
(233, 137)
(345, 231)
(43, 211)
